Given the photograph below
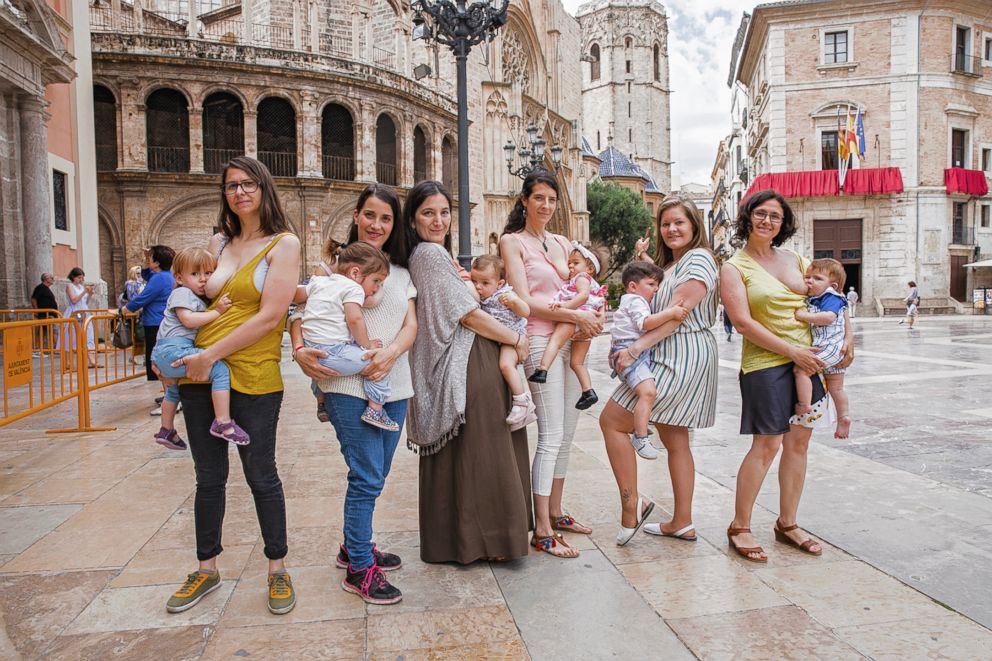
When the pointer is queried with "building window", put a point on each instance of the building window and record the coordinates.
(385, 151)
(959, 148)
(337, 143)
(962, 50)
(223, 131)
(828, 150)
(276, 128)
(61, 202)
(987, 51)
(167, 131)
(630, 67)
(599, 144)
(628, 87)
(986, 214)
(628, 109)
(594, 62)
(657, 63)
(835, 47)
(105, 128)
(419, 155)
(987, 160)
(449, 176)
(959, 233)
(630, 135)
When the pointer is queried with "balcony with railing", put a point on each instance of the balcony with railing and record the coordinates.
(385, 173)
(341, 168)
(168, 159)
(967, 65)
(962, 234)
(280, 163)
(215, 159)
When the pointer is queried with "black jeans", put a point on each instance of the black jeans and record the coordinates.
(258, 415)
(151, 335)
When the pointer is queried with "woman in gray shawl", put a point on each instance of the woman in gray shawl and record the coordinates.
(474, 473)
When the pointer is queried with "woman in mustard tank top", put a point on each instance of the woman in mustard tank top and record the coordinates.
(762, 287)
(258, 267)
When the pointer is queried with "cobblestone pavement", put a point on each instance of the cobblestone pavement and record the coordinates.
(96, 530)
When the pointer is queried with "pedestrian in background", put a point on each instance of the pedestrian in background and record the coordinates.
(42, 298)
(728, 325)
(79, 296)
(912, 302)
(133, 286)
(852, 301)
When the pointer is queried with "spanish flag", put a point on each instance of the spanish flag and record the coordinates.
(850, 136)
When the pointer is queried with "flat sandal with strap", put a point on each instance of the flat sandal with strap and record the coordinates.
(568, 522)
(803, 546)
(545, 544)
(744, 551)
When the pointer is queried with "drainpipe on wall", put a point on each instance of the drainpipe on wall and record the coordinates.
(919, 74)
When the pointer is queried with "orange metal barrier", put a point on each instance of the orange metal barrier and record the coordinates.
(33, 381)
(45, 337)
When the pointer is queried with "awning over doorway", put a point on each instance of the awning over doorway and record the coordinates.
(984, 264)
(825, 183)
(971, 182)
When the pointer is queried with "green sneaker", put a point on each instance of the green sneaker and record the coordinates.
(281, 595)
(198, 585)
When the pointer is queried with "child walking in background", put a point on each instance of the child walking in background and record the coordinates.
(912, 301)
(825, 311)
(581, 292)
(333, 322)
(631, 320)
(498, 300)
(185, 312)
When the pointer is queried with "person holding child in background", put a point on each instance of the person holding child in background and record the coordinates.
(630, 321)
(580, 292)
(185, 312)
(825, 313)
(498, 300)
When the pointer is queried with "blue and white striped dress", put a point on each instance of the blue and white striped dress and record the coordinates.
(685, 364)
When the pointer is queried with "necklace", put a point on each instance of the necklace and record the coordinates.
(543, 240)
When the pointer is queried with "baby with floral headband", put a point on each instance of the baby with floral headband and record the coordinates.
(581, 292)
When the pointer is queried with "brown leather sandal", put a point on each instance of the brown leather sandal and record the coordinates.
(545, 544)
(803, 546)
(743, 551)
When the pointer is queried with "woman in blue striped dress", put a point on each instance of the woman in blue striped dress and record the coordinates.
(684, 361)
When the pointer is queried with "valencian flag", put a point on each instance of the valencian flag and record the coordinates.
(850, 137)
(859, 128)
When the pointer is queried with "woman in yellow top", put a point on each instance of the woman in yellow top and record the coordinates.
(258, 267)
(762, 286)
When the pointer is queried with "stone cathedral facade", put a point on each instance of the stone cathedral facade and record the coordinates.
(625, 83)
(330, 95)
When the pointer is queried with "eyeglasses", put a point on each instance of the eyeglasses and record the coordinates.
(248, 186)
(761, 214)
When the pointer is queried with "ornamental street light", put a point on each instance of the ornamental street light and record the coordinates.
(533, 158)
(460, 25)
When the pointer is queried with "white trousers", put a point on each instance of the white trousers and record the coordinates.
(556, 415)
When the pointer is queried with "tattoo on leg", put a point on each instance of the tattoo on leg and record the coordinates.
(626, 494)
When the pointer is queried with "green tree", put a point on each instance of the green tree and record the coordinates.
(617, 218)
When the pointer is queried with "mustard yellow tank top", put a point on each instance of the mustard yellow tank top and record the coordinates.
(773, 305)
(255, 368)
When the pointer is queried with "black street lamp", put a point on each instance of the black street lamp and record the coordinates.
(533, 158)
(460, 25)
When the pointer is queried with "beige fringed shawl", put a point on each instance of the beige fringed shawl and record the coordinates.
(439, 357)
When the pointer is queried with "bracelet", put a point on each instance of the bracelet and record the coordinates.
(292, 354)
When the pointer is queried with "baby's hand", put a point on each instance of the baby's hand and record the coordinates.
(223, 303)
(507, 298)
(554, 305)
(375, 344)
(679, 312)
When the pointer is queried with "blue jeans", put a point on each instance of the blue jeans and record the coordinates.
(170, 349)
(368, 451)
(345, 358)
(638, 371)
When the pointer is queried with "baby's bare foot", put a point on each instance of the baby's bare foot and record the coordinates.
(843, 427)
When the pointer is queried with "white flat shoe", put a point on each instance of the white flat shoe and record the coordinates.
(655, 529)
(626, 534)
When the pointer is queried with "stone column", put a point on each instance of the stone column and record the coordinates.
(133, 155)
(310, 135)
(34, 189)
(365, 153)
(196, 139)
(404, 144)
(191, 18)
(251, 133)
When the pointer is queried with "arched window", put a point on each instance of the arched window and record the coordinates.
(594, 62)
(449, 175)
(337, 143)
(105, 128)
(167, 131)
(223, 130)
(657, 62)
(385, 150)
(628, 45)
(277, 136)
(419, 155)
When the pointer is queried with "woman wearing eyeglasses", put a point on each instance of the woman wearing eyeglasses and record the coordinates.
(258, 265)
(762, 286)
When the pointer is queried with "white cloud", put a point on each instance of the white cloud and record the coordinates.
(700, 37)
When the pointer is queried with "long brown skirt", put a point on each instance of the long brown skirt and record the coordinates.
(475, 493)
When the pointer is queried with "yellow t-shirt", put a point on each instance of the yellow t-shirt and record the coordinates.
(773, 305)
(255, 368)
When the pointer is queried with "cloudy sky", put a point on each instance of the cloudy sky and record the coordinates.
(701, 34)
